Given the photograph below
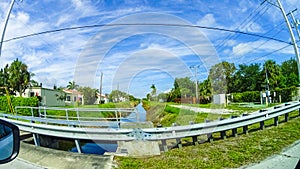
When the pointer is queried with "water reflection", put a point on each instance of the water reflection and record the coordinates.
(94, 148)
(101, 148)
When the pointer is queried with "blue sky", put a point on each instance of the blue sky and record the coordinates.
(134, 57)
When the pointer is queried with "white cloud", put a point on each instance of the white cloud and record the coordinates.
(259, 46)
(207, 20)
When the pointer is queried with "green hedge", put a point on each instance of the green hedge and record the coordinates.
(253, 96)
(19, 101)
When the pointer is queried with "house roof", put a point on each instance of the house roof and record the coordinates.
(71, 91)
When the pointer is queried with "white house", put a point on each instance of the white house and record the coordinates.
(103, 98)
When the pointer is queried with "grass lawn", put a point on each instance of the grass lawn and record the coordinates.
(230, 153)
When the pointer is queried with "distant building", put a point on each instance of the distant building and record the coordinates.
(219, 99)
(104, 98)
(48, 97)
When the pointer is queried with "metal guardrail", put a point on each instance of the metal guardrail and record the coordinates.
(43, 112)
(157, 134)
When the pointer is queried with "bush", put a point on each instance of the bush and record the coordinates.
(250, 96)
(172, 110)
(287, 94)
(19, 101)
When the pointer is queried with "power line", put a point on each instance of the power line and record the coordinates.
(243, 25)
(146, 24)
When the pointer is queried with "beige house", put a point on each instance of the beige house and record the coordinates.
(73, 97)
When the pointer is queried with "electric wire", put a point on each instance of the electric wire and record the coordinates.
(145, 24)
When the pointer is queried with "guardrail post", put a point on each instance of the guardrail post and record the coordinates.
(116, 114)
(137, 115)
(223, 134)
(36, 139)
(262, 125)
(165, 146)
(40, 111)
(210, 137)
(276, 121)
(45, 114)
(31, 111)
(67, 116)
(286, 117)
(234, 132)
(77, 114)
(77, 143)
(195, 140)
(178, 140)
(245, 129)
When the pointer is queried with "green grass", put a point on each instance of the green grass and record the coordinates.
(230, 153)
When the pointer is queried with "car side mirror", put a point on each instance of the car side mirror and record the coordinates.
(9, 141)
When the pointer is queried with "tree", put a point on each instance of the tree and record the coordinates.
(289, 69)
(89, 94)
(162, 97)
(4, 76)
(247, 78)
(273, 72)
(117, 96)
(186, 87)
(205, 90)
(72, 85)
(18, 77)
(221, 76)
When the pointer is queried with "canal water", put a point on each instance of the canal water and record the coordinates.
(101, 148)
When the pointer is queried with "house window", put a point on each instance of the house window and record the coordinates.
(31, 94)
(68, 98)
(74, 98)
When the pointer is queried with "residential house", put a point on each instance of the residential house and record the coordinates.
(73, 97)
(104, 98)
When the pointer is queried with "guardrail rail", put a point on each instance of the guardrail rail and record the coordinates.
(82, 130)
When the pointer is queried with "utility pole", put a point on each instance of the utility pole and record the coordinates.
(291, 34)
(5, 24)
(295, 22)
(196, 79)
(101, 87)
(267, 88)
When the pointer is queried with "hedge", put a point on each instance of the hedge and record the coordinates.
(253, 96)
(286, 94)
(19, 101)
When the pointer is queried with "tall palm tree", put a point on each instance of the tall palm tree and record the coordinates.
(72, 85)
(153, 92)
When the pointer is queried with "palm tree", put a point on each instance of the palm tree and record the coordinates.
(72, 85)
(153, 92)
